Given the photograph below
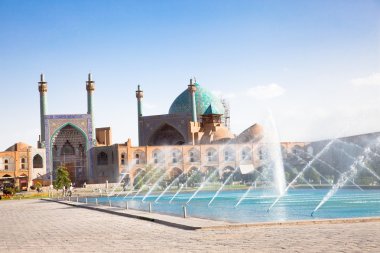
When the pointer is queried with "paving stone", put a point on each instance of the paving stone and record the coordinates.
(40, 226)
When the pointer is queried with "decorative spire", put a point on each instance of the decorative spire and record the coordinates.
(191, 86)
(90, 84)
(42, 85)
(139, 92)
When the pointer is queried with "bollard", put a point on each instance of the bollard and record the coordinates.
(184, 211)
(110, 203)
(69, 198)
(86, 200)
(96, 201)
(150, 207)
(126, 205)
(77, 199)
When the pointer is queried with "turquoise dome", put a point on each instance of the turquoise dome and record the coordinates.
(206, 103)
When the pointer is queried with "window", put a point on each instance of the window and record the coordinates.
(226, 156)
(6, 164)
(175, 157)
(209, 156)
(102, 158)
(229, 155)
(37, 161)
(137, 156)
(122, 159)
(23, 163)
(246, 154)
(192, 157)
(261, 154)
(212, 155)
(158, 156)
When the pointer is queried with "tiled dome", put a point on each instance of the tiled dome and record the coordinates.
(203, 98)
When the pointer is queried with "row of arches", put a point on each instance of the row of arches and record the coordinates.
(175, 156)
(193, 176)
(8, 163)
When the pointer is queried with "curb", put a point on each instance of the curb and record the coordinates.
(140, 217)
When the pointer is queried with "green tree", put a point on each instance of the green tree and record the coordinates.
(62, 178)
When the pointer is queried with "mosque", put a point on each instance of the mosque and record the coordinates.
(193, 136)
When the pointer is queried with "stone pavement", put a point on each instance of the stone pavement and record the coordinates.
(40, 226)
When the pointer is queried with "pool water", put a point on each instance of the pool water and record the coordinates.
(297, 204)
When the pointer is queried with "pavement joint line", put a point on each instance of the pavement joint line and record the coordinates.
(145, 216)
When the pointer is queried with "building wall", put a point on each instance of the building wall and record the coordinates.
(20, 165)
(200, 155)
(148, 125)
(106, 164)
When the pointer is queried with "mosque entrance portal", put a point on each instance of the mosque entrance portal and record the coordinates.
(69, 151)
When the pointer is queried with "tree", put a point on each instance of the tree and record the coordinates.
(62, 178)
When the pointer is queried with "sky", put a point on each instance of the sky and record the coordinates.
(314, 64)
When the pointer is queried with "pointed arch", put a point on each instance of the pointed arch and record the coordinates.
(194, 155)
(211, 155)
(166, 134)
(102, 158)
(68, 147)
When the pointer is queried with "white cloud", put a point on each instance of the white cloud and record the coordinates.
(371, 80)
(266, 91)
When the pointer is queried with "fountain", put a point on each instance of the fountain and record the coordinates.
(264, 186)
(343, 179)
(272, 142)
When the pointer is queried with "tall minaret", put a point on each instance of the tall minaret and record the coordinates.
(192, 88)
(90, 87)
(139, 96)
(42, 88)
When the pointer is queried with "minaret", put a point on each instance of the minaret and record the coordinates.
(42, 88)
(90, 87)
(192, 88)
(139, 96)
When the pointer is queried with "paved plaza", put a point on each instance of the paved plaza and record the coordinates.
(40, 226)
